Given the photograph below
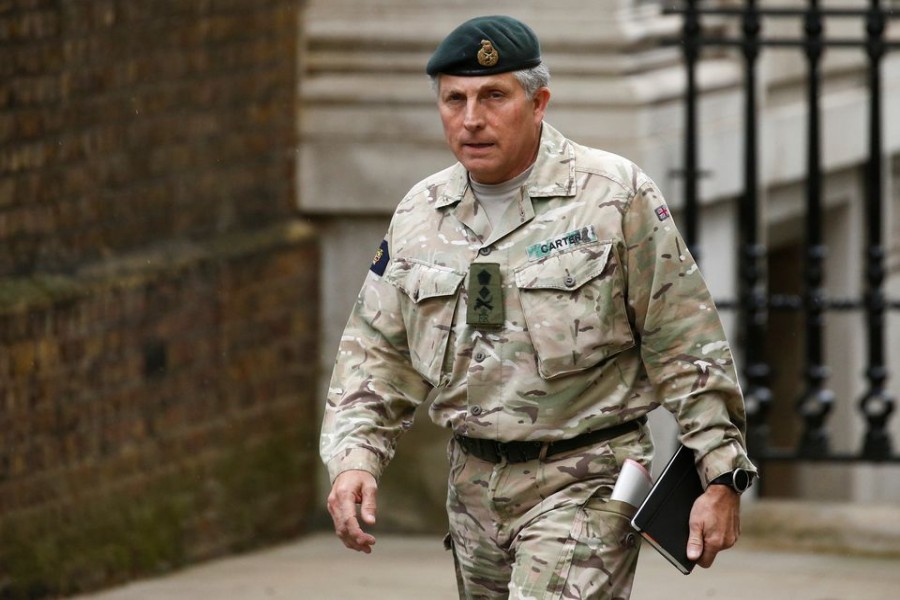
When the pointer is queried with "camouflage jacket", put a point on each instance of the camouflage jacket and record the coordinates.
(603, 317)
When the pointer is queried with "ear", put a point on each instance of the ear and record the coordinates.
(541, 100)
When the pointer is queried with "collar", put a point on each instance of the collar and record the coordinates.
(553, 173)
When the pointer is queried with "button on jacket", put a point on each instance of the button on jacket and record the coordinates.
(605, 316)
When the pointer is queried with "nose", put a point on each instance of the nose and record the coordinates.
(474, 117)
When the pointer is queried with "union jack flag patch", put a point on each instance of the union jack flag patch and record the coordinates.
(662, 213)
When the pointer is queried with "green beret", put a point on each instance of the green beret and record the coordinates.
(485, 46)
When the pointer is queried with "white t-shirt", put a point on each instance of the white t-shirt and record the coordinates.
(496, 199)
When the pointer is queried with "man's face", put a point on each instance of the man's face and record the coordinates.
(490, 124)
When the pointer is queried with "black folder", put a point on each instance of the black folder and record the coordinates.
(663, 518)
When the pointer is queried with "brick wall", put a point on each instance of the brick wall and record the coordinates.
(158, 295)
(126, 121)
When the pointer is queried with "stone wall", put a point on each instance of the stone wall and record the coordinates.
(125, 122)
(158, 313)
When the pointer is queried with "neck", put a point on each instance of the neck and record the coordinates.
(495, 189)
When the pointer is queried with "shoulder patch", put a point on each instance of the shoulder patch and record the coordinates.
(662, 213)
(381, 259)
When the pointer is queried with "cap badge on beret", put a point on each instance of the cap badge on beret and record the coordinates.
(487, 54)
(485, 46)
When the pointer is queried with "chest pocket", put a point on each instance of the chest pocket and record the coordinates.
(428, 316)
(574, 306)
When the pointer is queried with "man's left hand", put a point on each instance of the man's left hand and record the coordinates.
(715, 524)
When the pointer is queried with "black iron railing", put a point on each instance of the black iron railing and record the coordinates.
(754, 302)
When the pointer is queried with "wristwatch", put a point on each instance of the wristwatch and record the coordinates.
(738, 480)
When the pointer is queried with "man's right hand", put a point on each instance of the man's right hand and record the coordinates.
(352, 489)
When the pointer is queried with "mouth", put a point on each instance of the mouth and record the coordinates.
(478, 145)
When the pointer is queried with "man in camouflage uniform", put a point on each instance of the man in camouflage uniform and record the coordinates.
(541, 292)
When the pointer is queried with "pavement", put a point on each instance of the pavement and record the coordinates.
(317, 567)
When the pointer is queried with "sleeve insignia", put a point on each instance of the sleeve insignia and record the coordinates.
(381, 259)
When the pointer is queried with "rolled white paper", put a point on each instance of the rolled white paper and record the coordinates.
(633, 484)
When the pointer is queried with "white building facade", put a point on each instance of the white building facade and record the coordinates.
(369, 130)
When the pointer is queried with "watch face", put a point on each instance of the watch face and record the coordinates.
(741, 479)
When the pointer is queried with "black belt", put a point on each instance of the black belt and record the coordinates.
(517, 452)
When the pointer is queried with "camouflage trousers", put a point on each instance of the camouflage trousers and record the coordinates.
(544, 529)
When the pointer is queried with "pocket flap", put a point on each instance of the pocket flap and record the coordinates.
(567, 271)
(421, 281)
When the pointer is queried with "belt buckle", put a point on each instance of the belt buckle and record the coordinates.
(501, 451)
(489, 450)
(514, 452)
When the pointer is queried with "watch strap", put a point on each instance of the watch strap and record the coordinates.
(738, 480)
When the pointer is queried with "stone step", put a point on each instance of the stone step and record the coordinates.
(807, 526)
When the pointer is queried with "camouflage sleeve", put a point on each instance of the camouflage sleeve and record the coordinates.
(374, 390)
(683, 345)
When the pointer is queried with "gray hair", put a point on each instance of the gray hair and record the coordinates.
(531, 79)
